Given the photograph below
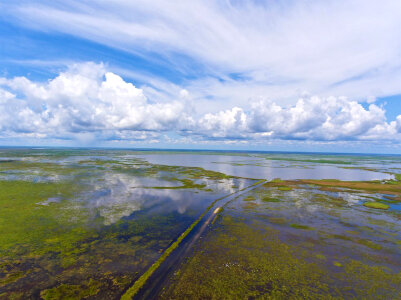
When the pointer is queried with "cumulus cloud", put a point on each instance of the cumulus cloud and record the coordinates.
(312, 118)
(398, 123)
(85, 98)
(87, 102)
(225, 124)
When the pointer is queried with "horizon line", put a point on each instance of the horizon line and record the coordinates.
(194, 150)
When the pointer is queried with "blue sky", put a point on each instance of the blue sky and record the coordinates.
(262, 75)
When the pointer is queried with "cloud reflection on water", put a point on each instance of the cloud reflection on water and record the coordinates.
(117, 195)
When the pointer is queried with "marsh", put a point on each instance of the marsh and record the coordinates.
(89, 223)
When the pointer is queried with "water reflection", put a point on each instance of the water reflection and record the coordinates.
(117, 195)
(257, 167)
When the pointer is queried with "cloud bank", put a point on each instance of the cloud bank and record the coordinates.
(88, 101)
(84, 99)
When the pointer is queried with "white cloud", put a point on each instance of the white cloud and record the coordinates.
(312, 118)
(239, 70)
(225, 124)
(85, 98)
(398, 123)
(344, 47)
(89, 103)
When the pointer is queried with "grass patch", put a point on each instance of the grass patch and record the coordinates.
(71, 291)
(284, 188)
(41, 227)
(298, 226)
(186, 184)
(277, 220)
(337, 264)
(367, 186)
(376, 205)
(269, 199)
(249, 198)
(317, 161)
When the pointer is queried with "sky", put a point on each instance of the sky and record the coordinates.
(248, 75)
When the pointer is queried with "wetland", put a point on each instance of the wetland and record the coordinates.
(104, 224)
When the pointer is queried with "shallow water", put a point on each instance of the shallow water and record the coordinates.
(90, 222)
(298, 242)
(261, 167)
